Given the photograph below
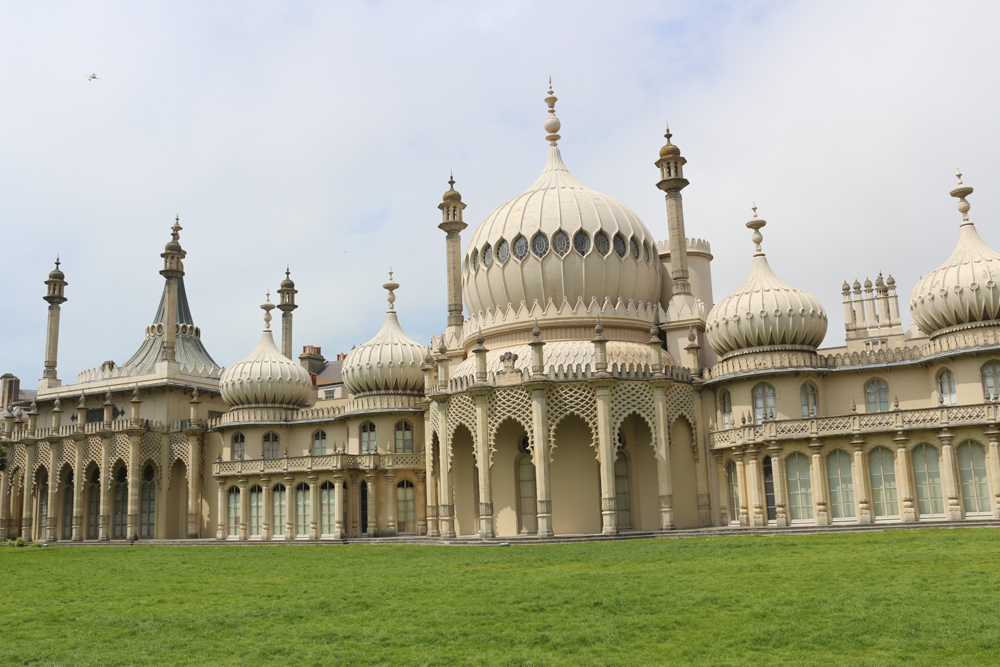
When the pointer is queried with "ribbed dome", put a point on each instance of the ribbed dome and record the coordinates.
(266, 378)
(964, 289)
(765, 311)
(389, 362)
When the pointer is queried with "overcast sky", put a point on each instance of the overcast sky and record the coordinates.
(321, 135)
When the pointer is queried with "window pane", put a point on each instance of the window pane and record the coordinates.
(883, 481)
(927, 476)
(838, 471)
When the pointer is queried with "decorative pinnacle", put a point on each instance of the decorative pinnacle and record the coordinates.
(57, 261)
(668, 135)
(961, 192)
(479, 338)
(267, 307)
(536, 332)
(175, 231)
(552, 123)
(755, 225)
(392, 285)
(451, 178)
(599, 328)
(288, 271)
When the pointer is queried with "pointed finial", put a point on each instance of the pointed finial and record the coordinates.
(536, 332)
(599, 328)
(479, 338)
(552, 123)
(57, 261)
(668, 135)
(288, 271)
(451, 178)
(135, 395)
(755, 225)
(391, 286)
(176, 229)
(267, 307)
(961, 192)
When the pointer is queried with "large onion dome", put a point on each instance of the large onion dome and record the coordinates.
(558, 241)
(964, 289)
(390, 362)
(764, 311)
(266, 378)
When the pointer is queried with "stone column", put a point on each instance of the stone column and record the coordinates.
(903, 484)
(51, 521)
(221, 532)
(755, 480)
(781, 514)
(353, 500)
(267, 520)
(29, 490)
(390, 503)
(606, 448)
(482, 397)
(741, 487)
(79, 481)
(313, 507)
(720, 472)
(419, 493)
(818, 475)
(134, 479)
(338, 507)
(949, 480)
(430, 490)
(700, 462)
(193, 475)
(862, 485)
(104, 526)
(540, 457)
(4, 501)
(446, 517)
(370, 476)
(244, 531)
(664, 483)
(291, 500)
(993, 461)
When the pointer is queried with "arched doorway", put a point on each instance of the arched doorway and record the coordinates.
(119, 520)
(64, 527)
(644, 489)
(575, 479)
(505, 477)
(176, 504)
(683, 476)
(465, 481)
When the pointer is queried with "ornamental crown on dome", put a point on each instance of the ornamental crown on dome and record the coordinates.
(963, 290)
(266, 378)
(764, 311)
(390, 362)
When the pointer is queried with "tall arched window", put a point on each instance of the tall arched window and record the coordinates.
(763, 403)
(279, 509)
(239, 447)
(363, 508)
(882, 474)
(233, 505)
(800, 499)
(877, 396)
(991, 381)
(404, 437)
(406, 508)
(927, 475)
(726, 406)
(302, 515)
(975, 483)
(622, 497)
(526, 490)
(67, 518)
(770, 502)
(946, 388)
(734, 492)
(269, 450)
(256, 511)
(120, 521)
(147, 504)
(368, 438)
(43, 511)
(319, 443)
(810, 400)
(93, 507)
(327, 502)
(839, 477)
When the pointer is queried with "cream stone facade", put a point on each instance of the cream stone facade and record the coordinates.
(585, 382)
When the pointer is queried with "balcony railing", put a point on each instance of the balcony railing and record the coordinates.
(320, 463)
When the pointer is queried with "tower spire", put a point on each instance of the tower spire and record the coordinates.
(452, 225)
(672, 181)
(552, 123)
(286, 304)
(55, 296)
(173, 270)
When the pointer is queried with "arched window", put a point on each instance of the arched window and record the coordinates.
(363, 508)
(810, 400)
(946, 388)
(726, 405)
(43, 511)
(279, 509)
(975, 484)
(620, 244)
(800, 499)
(120, 520)
(404, 437)
(602, 244)
(327, 502)
(256, 511)
(233, 504)
(734, 492)
(270, 447)
(93, 507)
(67, 518)
(763, 403)
(147, 504)
(540, 245)
(877, 396)
(526, 490)
(622, 497)
(368, 438)
(319, 443)
(882, 474)
(302, 515)
(991, 381)
(406, 508)
(769, 500)
(927, 475)
(239, 447)
(581, 242)
(839, 477)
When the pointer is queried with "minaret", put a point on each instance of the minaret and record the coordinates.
(451, 212)
(672, 181)
(56, 285)
(173, 270)
(286, 304)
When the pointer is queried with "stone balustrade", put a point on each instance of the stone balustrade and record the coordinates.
(318, 463)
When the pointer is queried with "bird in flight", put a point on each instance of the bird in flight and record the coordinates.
(91, 77)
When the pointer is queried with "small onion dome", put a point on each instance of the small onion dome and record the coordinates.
(669, 150)
(765, 311)
(964, 289)
(388, 363)
(452, 195)
(174, 244)
(266, 378)
(56, 273)
(288, 283)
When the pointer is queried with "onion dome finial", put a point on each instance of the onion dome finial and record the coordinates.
(755, 224)
(452, 195)
(669, 150)
(961, 192)
(391, 286)
(552, 123)
(267, 307)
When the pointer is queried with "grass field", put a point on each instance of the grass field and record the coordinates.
(895, 597)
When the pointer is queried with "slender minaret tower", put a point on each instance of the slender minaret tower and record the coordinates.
(173, 270)
(672, 181)
(56, 285)
(286, 304)
(451, 212)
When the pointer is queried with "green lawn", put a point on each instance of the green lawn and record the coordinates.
(895, 597)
